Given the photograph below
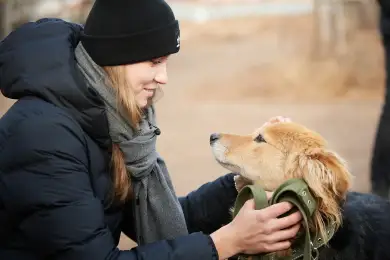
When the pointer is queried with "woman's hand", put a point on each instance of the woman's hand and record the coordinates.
(277, 119)
(257, 231)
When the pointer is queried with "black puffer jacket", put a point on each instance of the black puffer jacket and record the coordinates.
(385, 19)
(54, 158)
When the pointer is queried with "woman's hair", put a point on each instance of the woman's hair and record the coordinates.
(127, 104)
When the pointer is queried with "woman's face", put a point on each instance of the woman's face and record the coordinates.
(145, 77)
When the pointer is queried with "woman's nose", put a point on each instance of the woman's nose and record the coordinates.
(162, 76)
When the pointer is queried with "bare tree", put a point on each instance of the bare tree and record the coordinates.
(336, 22)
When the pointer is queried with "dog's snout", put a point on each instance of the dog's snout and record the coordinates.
(214, 137)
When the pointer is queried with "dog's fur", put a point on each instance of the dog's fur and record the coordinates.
(279, 151)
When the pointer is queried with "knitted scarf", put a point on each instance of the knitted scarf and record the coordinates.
(158, 213)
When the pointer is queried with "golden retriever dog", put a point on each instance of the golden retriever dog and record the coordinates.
(279, 151)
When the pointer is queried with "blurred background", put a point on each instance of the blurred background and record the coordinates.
(241, 62)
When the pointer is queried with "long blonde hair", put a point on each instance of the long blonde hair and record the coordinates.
(127, 103)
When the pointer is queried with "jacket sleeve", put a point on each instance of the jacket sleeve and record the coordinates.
(385, 20)
(208, 208)
(48, 184)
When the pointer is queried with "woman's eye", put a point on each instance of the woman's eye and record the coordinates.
(156, 62)
(260, 139)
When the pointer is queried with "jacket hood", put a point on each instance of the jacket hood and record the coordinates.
(38, 60)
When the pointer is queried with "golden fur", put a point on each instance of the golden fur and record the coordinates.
(288, 150)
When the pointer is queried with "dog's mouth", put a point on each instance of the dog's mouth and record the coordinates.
(219, 152)
(229, 166)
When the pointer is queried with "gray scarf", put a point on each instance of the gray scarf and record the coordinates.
(158, 213)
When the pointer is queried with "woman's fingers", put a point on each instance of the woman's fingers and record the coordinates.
(279, 119)
(286, 222)
(269, 194)
(273, 247)
(273, 211)
(282, 235)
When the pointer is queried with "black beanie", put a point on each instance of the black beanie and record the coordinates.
(121, 32)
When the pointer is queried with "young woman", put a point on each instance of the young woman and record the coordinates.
(78, 163)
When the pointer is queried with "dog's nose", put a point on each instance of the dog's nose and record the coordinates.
(214, 137)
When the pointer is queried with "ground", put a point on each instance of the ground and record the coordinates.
(233, 76)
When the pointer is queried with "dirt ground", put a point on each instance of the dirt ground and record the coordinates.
(231, 76)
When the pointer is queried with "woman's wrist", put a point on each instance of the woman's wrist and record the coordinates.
(225, 242)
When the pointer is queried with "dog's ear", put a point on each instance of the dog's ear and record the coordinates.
(328, 178)
(326, 172)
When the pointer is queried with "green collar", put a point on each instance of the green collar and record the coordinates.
(296, 192)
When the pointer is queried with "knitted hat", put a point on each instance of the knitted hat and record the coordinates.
(121, 32)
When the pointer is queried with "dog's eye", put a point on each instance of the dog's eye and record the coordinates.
(260, 139)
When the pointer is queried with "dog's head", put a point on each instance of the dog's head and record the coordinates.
(281, 151)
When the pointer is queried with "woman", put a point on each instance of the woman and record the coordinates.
(78, 164)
